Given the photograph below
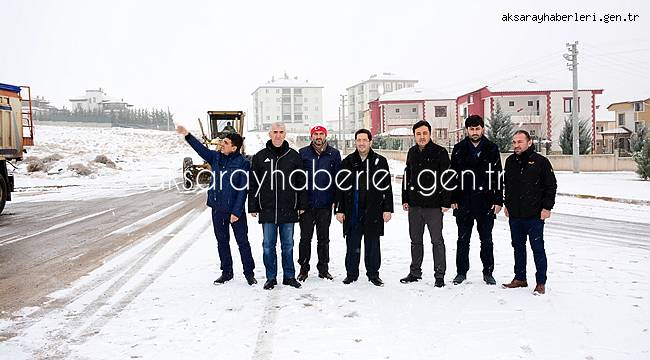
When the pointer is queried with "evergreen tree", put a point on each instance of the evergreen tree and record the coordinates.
(638, 139)
(500, 129)
(584, 137)
(642, 159)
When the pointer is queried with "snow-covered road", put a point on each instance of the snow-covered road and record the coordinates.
(156, 300)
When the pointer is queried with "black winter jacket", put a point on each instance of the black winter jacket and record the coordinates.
(424, 189)
(277, 198)
(378, 196)
(479, 189)
(530, 184)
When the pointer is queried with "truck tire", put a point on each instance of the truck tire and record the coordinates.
(187, 167)
(4, 190)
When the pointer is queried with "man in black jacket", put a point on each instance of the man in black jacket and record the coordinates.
(530, 188)
(478, 196)
(277, 195)
(426, 196)
(364, 202)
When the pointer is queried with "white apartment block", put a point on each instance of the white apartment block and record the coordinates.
(296, 103)
(361, 94)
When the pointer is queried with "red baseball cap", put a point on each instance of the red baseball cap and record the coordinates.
(317, 128)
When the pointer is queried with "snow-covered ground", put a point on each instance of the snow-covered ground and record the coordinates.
(155, 300)
(144, 159)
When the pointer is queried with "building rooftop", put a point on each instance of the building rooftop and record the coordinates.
(415, 93)
(386, 76)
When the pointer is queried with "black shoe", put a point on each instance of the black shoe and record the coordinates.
(222, 279)
(410, 278)
(376, 281)
(489, 279)
(325, 275)
(291, 282)
(440, 283)
(303, 275)
(459, 279)
(349, 280)
(251, 280)
(270, 284)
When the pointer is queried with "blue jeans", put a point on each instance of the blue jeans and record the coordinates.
(533, 229)
(270, 231)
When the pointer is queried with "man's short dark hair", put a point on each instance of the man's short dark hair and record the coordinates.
(363, 131)
(421, 123)
(522, 132)
(474, 120)
(236, 140)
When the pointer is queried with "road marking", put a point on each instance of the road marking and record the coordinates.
(55, 227)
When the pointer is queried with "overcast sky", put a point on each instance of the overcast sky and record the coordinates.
(198, 55)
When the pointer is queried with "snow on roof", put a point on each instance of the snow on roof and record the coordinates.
(535, 83)
(618, 131)
(383, 77)
(415, 94)
(287, 81)
(398, 132)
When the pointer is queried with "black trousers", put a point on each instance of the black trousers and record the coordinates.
(484, 224)
(371, 255)
(321, 219)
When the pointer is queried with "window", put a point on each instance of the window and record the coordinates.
(621, 119)
(398, 86)
(268, 118)
(511, 103)
(286, 98)
(397, 110)
(297, 91)
(568, 103)
(470, 99)
(267, 91)
(297, 117)
(315, 108)
(532, 132)
(530, 103)
(306, 117)
(278, 99)
(639, 106)
(440, 111)
(441, 133)
(637, 126)
(414, 109)
(286, 117)
(286, 91)
(388, 87)
(277, 91)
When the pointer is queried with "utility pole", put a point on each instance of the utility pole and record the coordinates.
(342, 124)
(573, 67)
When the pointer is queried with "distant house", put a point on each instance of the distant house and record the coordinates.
(540, 110)
(98, 100)
(629, 117)
(396, 112)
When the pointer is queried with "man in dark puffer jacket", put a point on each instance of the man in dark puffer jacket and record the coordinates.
(277, 194)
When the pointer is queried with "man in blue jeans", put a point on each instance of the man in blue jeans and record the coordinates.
(277, 196)
(530, 188)
(227, 197)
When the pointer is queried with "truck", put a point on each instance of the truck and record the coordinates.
(221, 123)
(16, 133)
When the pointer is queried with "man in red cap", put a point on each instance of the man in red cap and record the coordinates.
(321, 162)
